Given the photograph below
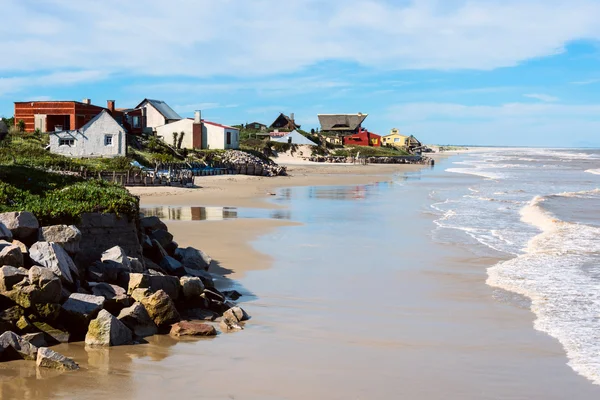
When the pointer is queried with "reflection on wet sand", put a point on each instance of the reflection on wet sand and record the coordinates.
(177, 213)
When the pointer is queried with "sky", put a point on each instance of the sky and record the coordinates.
(479, 72)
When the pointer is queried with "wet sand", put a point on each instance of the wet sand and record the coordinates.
(359, 303)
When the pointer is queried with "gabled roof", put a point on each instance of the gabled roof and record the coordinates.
(103, 115)
(162, 108)
(288, 119)
(341, 122)
(213, 124)
(297, 138)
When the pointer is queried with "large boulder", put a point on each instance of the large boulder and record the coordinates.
(14, 347)
(49, 284)
(191, 287)
(53, 333)
(66, 236)
(11, 254)
(138, 281)
(10, 276)
(236, 314)
(10, 317)
(155, 252)
(52, 256)
(170, 284)
(162, 236)
(136, 318)
(22, 224)
(47, 358)
(103, 272)
(117, 257)
(137, 265)
(149, 224)
(116, 297)
(5, 233)
(161, 309)
(230, 325)
(172, 266)
(37, 339)
(192, 328)
(193, 258)
(106, 330)
(206, 277)
(78, 310)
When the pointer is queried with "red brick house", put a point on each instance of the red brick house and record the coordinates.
(48, 116)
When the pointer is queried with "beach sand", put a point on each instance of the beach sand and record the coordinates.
(333, 317)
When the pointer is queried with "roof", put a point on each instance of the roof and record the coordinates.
(215, 124)
(162, 108)
(341, 122)
(288, 119)
(297, 138)
(363, 134)
(59, 101)
(92, 121)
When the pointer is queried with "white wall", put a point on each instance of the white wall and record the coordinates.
(153, 117)
(90, 140)
(183, 125)
(216, 137)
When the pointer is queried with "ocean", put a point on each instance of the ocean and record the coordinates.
(539, 211)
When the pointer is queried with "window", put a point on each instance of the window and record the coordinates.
(108, 140)
(396, 140)
(228, 137)
(66, 142)
(136, 121)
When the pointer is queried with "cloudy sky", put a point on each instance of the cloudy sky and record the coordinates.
(496, 72)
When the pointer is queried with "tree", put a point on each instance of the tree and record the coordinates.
(21, 126)
(174, 139)
(181, 134)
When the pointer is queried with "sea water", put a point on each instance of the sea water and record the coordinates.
(539, 209)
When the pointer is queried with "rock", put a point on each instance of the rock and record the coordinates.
(53, 333)
(206, 277)
(192, 287)
(9, 277)
(49, 284)
(137, 280)
(47, 358)
(117, 257)
(201, 313)
(192, 328)
(232, 294)
(55, 258)
(193, 258)
(37, 339)
(78, 310)
(156, 252)
(162, 236)
(22, 224)
(11, 255)
(171, 248)
(213, 294)
(22, 246)
(25, 296)
(103, 272)
(116, 297)
(136, 318)
(106, 330)
(24, 325)
(139, 293)
(172, 266)
(170, 284)
(149, 224)
(10, 317)
(161, 309)
(228, 325)
(14, 347)
(48, 311)
(136, 265)
(5, 233)
(236, 314)
(66, 236)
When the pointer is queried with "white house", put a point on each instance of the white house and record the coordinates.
(156, 113)
(200, 134)
(101, 137)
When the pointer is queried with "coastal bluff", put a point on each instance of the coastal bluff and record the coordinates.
(108, 280)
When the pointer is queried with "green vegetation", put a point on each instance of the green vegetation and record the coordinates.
(56, 198)
(366, 151)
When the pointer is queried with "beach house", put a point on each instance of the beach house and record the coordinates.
(341, 124)
(102, 136)
(363, 138)
(285, 122)
(197, 133)
(396, 139)
(150, 114)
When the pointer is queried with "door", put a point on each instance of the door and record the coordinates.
(40, 122)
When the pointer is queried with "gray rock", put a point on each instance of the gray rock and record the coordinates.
(53, 333)
(162, 236)
(47, 358)
(138, 281)
(78, 310)
(118, 257)
(10, 317)
(49, 284)
(170, 284)
(136, 318)
(191, 287)
(149, 224)
(229, 325)
(192, 328)
(139, 293)
(172, 266)
(103, 272)
(11, 255)
(161, 309)
(236, 314)
(206, 277)
(193, 258)
(106, 330)
(9, 277)
(137, 266)
(156, 252)
(108, 291)
(66, 236)
(37, 339)
(52, 256)
(201, 313)
(22, 224)
(14, 347)
(5, 233)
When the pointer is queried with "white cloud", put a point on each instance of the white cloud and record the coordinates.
(16, 84)
(586, 82)
(244, 38)
(542, 97)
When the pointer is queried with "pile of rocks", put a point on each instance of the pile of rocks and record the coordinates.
(46, 298)
(247, 163)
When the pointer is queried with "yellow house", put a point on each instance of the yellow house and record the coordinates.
(397, 140)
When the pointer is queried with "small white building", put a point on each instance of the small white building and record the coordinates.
(101, 137)
(156, 113)
(200, 134)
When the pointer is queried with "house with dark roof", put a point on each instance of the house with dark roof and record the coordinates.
(149, 114)
(342, 124)
(285, 122)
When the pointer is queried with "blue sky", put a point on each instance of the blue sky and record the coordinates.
(488, 72)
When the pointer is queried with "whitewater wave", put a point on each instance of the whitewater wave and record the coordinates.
(476, 172)
(558, 273)
(593, 171)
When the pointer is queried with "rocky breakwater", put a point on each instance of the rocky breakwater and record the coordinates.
(47, 298)
(248, 164)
